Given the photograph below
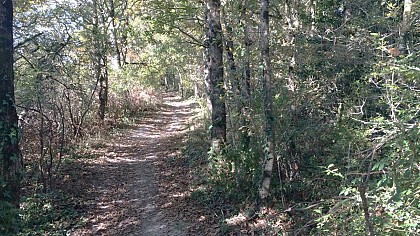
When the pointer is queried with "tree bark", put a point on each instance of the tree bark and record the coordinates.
(231, 80)
(245, 80)
(9, 147)
(217, 91)
(405, 27)
(114, 34)
(292, 17)
(100, 61)
(206, 59)
(407, 15)
(268, 101)
(293, 26)
(103, 88)
(365, 206)
(231, 65)
(312, 13)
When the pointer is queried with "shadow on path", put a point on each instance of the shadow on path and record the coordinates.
(120, 188)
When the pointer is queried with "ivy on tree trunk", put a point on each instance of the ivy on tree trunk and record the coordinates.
(9, 149)
(217, 91)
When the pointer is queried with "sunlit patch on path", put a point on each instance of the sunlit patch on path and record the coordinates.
(122, 182)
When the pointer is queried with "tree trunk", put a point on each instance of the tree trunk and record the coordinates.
(231, 65)
(268, 101)
(245, 81)
(292, 163)
(231, 81)
(407, 15)
(312, 12)
(405, 27)
(103, 88)
(9, 149)
(293, 27)
(217, 91)
(101, 73)
(206, 59)
(114, 34)
(233, 102)
(365, 206)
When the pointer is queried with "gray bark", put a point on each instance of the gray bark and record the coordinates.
(100, 60)
(268, 101)
(405, 27)
(245, 80)
(217, 91)
(114, 34)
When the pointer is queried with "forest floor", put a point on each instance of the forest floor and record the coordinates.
(135, 183)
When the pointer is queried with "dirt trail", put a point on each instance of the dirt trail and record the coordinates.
(121, 186)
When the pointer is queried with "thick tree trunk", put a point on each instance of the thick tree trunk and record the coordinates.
(268, 101)
(9, 149)
(217, 91)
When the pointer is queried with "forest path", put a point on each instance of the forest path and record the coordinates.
(122, 185)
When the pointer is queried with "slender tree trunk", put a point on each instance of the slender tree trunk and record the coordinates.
(231, 65)
(365, 206)
(103, 89)
(124, 33)
(245, 80)
(268, 101)
(217, 91)
(407, 15)
(180, 82)
(97, 52)
(233, 102)
(292, 17)
(206, 58)
(405, 27)
(312, 12)
(9, 147)
(114, 34)
(100, 60)
(231, 81)
(293, 26)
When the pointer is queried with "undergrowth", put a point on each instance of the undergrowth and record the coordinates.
(55, 208)
(53, 213)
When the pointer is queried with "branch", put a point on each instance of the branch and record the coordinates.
(136, 63)
(197, 44)
(195, 40)
(27, 40)
(34, 110)
(413, 68)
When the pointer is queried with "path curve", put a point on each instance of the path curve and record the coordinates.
(122, 185)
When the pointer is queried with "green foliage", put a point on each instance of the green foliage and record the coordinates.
(381, 129)
(9, 219)
(53, 214)
(346, 114)
(129, 98)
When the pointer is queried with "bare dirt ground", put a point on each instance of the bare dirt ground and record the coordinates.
(123, 193)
